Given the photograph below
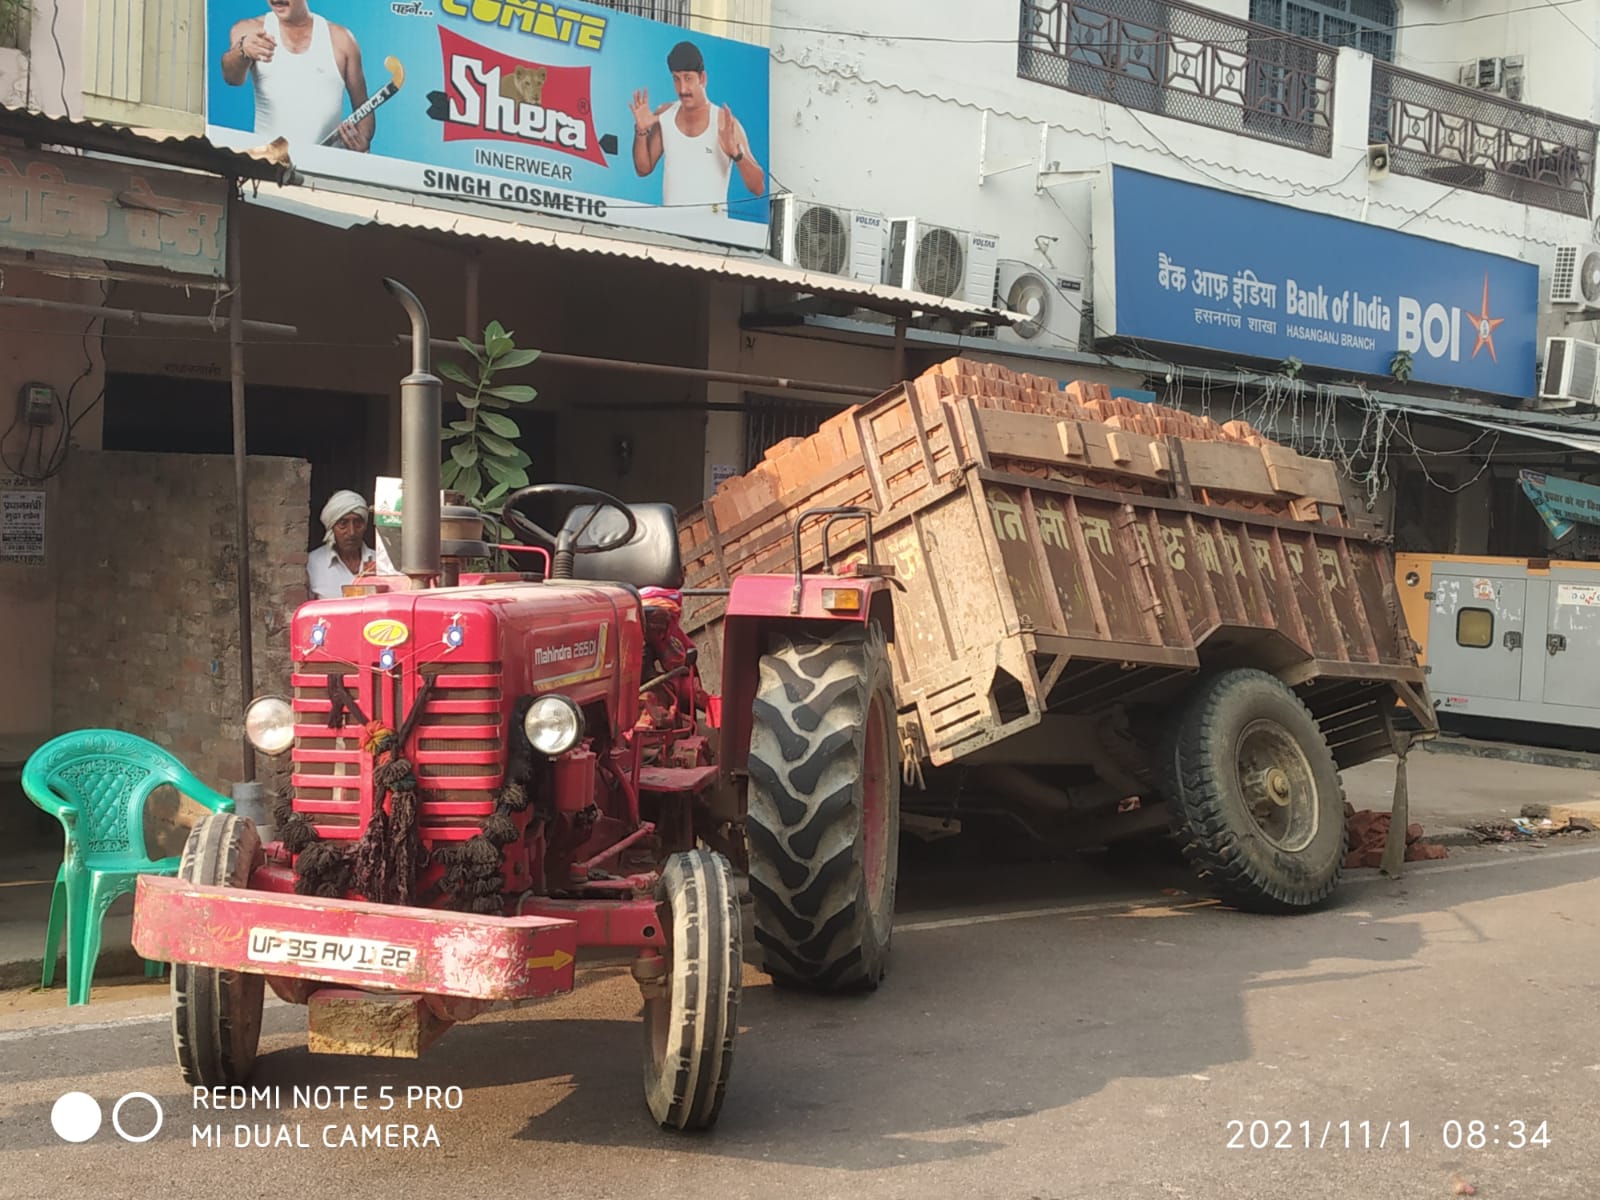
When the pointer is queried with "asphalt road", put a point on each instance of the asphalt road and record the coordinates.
(1037, 1039)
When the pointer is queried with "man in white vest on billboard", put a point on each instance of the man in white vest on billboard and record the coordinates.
(303, 67)
(698, 144)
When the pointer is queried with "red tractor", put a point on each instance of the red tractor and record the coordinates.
(490, 776)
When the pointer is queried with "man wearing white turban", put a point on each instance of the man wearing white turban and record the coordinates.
(344, 554)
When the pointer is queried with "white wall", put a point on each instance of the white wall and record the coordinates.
(1556, 44)
(36, 80)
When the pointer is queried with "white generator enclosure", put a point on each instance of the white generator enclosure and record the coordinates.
(1508, 640)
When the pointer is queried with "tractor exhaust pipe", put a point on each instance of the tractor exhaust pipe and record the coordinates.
(421, 418)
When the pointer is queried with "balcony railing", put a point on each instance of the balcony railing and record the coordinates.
(1481, 143)
(741, 20)
(1171, 58)
(673, 12)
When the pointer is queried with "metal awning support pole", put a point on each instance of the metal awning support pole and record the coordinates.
(241, 482)
(899, 351)
(474, 276)
(139, 319)
(551, 358)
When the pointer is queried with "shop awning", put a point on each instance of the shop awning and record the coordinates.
(153, 146)
(344, 210)
(1588, 443)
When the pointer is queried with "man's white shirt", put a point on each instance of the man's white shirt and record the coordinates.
(327, 574)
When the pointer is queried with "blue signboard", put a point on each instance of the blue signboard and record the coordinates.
(1563, 503)
(552, 107)
(1201, 267)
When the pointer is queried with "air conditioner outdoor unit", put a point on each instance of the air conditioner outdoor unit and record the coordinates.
(1484, 74)
(940, 261)
(1051, 305)
(1575, 276)
(1571, 371)
(827, 239)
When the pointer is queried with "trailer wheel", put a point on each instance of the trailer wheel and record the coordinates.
(1255, 794)
(824, 810)
(691, 1010)
(216, 1014)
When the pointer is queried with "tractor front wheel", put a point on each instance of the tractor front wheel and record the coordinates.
(216, 1014)
(824, 812)
(692, 993)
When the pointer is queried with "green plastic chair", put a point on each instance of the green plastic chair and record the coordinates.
(96, 783)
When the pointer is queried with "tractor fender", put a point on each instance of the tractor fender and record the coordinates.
(762, 605)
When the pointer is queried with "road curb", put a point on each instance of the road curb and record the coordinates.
(1538, 756)
(115, 962)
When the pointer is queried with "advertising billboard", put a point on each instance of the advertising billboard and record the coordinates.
(545, 107)
(1201, 267)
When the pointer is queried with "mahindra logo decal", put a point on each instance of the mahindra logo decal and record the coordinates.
(489, 95)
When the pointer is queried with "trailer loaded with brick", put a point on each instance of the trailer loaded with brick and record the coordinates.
(1104, 618)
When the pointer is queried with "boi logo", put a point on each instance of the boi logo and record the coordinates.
(76, 1117)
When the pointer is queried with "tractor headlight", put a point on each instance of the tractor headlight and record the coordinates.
(553, 724)
(269, 724)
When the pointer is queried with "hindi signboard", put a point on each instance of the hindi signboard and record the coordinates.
(1563, 504)
(113, 212)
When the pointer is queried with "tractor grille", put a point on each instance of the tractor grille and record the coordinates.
(457, 746)
(330, 778)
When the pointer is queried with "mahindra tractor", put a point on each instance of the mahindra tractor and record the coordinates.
(491, 774)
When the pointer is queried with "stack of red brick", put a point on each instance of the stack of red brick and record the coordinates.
(992, 386)
(792, 466)
(752, 514)
(1369, 830)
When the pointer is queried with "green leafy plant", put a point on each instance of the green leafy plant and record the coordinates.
(1291, 367)
(482, 460)
(1400, 366)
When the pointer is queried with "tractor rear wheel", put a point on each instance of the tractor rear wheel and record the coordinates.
(216, 1014)
(1255, 794)
(691, 1010)
(824, 810)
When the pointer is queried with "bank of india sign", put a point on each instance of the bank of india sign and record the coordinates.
(537, 106)
(1200, 267)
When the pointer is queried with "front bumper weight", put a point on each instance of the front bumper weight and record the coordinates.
(374, 947)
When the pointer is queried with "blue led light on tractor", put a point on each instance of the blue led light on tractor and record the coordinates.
(319, 634)
(386, 660)
(454, 636)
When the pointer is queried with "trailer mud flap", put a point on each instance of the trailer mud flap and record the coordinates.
(376, 947)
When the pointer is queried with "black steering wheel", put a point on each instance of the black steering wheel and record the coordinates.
(564, 498)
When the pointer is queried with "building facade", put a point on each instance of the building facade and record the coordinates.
(1380, 216)
(1295, 129)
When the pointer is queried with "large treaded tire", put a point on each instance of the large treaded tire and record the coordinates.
(1229, 726)
(689, 1030)
(824, 810)
(216, 1014)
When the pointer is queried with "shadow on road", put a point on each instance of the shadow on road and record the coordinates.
(986, 1018)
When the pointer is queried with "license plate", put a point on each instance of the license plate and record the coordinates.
(327, 950)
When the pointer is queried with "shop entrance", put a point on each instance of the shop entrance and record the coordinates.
(343, 436)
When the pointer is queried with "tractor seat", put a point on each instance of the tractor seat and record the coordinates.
(651, 559)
